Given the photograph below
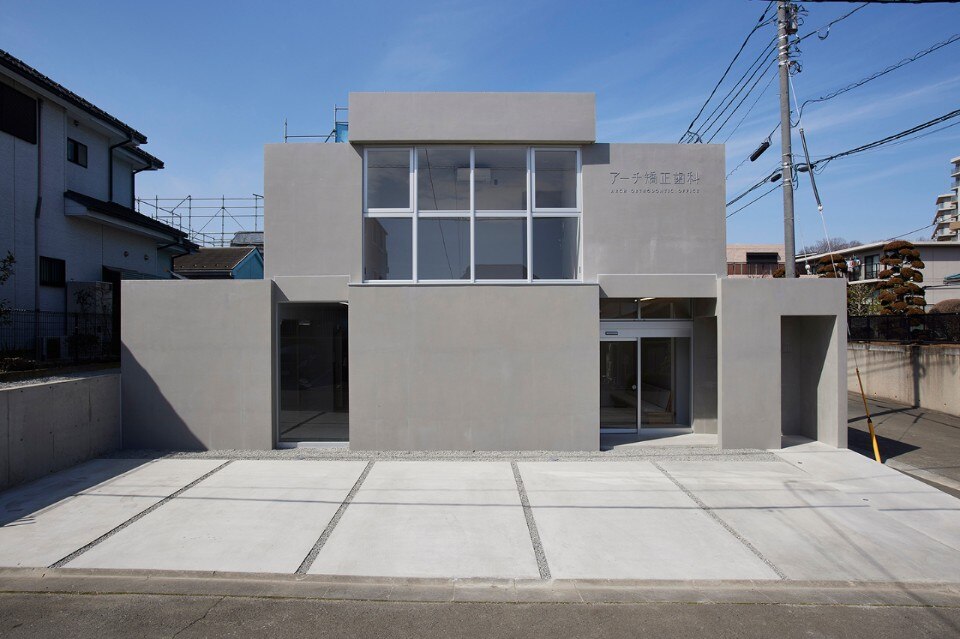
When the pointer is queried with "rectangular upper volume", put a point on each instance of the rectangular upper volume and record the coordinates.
(537, 118)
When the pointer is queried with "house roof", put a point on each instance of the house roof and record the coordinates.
(24, 70)
(247, 238)
(120, 212)
(872, 246)
(209, 260)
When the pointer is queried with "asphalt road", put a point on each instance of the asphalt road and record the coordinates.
(143, 616)
(919, 442)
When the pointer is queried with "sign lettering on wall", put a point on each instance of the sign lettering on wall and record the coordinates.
(655, 182)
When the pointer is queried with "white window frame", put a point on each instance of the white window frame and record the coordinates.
(472, 214)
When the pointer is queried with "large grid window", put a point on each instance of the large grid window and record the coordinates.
(476, 214)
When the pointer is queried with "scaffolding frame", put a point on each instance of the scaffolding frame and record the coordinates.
(207, 221)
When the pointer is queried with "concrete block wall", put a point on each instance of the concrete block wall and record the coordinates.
(927, 376)
(48, 427)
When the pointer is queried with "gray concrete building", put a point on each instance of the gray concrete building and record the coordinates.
(474, 271)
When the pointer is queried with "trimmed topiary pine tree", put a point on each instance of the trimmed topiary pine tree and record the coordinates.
(899, 286)
(833, 265)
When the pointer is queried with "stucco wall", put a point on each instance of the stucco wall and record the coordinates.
(633, 227)
(472, 117)
(312, 215)
(750, 334)
(197, 364)
(474, 367)
(927, 376)
(48, 427)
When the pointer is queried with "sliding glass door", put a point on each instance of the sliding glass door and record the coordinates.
(618, 385)
(644, 381)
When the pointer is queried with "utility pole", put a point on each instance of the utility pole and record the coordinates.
(785, 18)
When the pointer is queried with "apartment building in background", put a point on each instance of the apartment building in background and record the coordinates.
(754, 260)
(946, 220)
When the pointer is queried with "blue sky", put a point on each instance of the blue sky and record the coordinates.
(211, 82)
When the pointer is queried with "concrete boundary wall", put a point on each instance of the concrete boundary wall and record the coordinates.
(927, 376)
(48, 427)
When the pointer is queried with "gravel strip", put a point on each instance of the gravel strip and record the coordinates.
(709, 511)
(317, 547)
(673, 453)
(110, 533)
(531, 524)
(65, 377)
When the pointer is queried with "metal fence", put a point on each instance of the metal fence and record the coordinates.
(937, 328)
(55, 336)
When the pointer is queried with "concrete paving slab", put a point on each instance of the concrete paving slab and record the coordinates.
(627, 520)
(812, 531)
(46, 520)
(922, 507)
(252, 516)
(432, 519)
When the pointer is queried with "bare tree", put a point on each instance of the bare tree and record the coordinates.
(826, 246)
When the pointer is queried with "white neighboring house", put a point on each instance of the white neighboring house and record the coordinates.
(941, 259)
(946, 220)
(67, 184)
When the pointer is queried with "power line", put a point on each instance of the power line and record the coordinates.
(756, 199)
(760, 22)
(888, 139)
(773, 76)
(738, 87)
(754, 187)
(827, 26)
(739, 104)
(881, 73)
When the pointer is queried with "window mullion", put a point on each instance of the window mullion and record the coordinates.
(415, 208)
(473, 220)
(531, 167)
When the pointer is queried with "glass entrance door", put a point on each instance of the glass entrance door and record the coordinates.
(618, 385)
(658, 382)
(313, 377)
(644, 382)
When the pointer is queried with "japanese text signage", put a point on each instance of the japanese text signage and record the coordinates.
(655, 182)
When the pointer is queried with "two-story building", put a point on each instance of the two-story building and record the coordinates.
(474, 271)
(67, 185)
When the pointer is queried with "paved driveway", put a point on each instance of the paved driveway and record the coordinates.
(805, 513)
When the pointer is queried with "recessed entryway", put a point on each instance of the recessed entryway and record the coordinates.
(312, 374)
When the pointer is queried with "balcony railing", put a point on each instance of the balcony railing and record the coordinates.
(752, 269)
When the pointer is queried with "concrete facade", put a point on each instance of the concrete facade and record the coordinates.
(530, 355)
(201, 379)
(51, 426)
(480, 362)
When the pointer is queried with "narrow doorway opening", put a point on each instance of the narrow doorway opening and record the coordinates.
(805, 396)
(313, 377)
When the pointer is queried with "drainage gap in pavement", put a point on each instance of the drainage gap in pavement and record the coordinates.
(686, 491)
(531, 524)
(317, 547)
(137, 517)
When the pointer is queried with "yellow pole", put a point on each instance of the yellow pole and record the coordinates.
(873, 434)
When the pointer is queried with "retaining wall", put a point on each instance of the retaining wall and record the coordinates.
(919, 375)
(48, 427)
